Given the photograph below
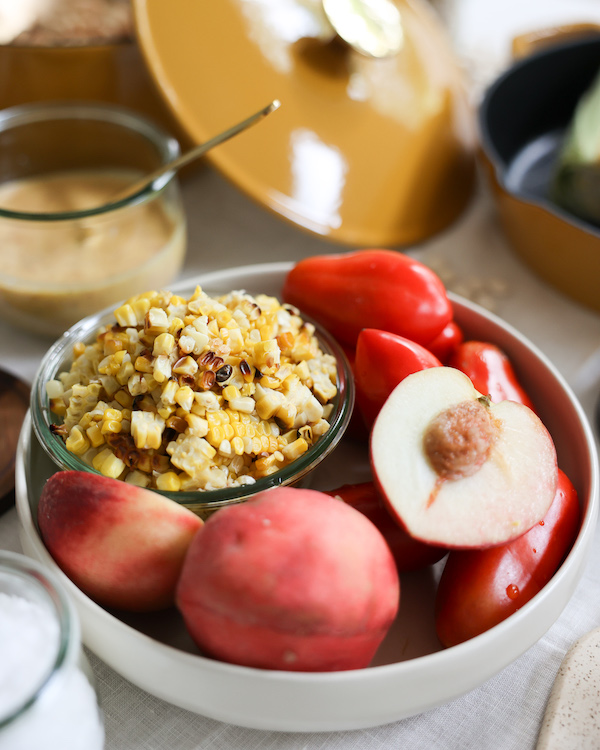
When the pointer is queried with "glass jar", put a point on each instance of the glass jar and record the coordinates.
(47, 699)
(68, 245)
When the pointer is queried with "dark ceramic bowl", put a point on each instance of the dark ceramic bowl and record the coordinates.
(522, 121)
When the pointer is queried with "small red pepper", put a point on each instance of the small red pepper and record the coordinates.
(447, 342)
(408, 553)
(491, 372)
(382, 360)
(370, 289)
(480, 588)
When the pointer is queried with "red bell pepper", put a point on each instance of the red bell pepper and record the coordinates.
(408, 553)
(447, 342)
(382, 360)
(491, 372)
(481, 588)
(370, 289)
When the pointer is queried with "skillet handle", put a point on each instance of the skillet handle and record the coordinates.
(530, 42)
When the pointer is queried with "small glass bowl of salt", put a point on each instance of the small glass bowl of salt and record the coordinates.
(47, 699)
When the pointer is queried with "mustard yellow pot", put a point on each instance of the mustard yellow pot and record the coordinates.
(115, 73)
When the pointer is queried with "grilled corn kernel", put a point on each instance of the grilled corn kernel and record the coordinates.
(286, 414)
(125, 372)
(269, 403)
(146, 430)
(175, 326)
(197, 425)
(94, 435)
(248, 389)
(111, 426)
(267, 354)
(225, 448)
(58, 407)
(78, 349)
(285, 341)
(54, 389)
(140, 307)
(77, 442)
(161, 370)
(244, 404)
(238, 445)
(108, 464)
(144, 363)
(235, 340)
(137, 478)
(168, 482)
(164, 343)
(125, 316)
(295, 449)
(185, 366)
(113, 343)
(185, 398)
(215, 435)
(320, 428)
(230, 392)
(156, 321)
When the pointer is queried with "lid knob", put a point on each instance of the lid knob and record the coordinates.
(371, 27)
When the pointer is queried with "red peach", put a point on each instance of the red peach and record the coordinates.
(293, 579)
(122, 545)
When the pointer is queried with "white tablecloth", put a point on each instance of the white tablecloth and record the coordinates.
(226, 229)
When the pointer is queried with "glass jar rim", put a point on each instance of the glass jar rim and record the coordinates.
(166, 145)
(25, 567)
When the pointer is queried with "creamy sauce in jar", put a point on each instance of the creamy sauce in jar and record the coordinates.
(80, 250)
(55, 272)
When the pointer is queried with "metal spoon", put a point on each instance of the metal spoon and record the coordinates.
(194, 153)
(14, 402)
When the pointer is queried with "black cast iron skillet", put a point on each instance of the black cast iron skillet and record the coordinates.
(524, 114)
(522, 120)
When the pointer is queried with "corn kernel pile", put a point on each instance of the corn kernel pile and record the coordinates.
(195, 394)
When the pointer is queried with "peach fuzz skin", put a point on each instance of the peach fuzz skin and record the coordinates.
(123, 546)
(292, 579)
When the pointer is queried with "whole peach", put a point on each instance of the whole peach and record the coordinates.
(293, 579)
(123, 546)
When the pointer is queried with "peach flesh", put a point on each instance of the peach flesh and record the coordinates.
(507, 494)
(294, 580)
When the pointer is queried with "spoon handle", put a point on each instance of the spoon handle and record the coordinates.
(195, 152)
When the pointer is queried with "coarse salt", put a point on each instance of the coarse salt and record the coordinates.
(64, 715)
(29, 642)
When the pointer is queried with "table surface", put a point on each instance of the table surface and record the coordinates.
(225, 230)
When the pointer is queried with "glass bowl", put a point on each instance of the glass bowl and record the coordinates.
(203, 502)
(68, 247)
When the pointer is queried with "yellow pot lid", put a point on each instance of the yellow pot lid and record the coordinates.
(364, 151)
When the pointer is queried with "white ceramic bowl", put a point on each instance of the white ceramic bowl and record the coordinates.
(411, 673)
